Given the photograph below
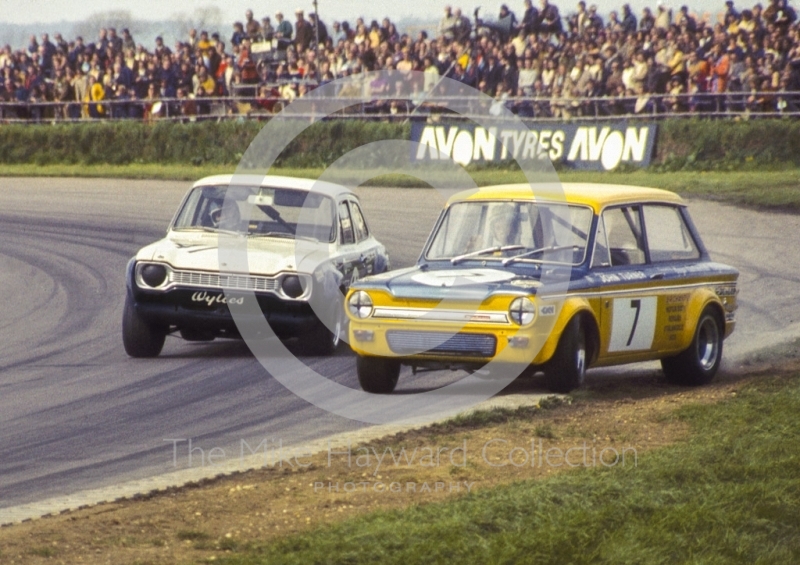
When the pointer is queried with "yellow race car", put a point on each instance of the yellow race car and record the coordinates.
(555, 278)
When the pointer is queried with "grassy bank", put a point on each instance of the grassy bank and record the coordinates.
(773, 190)
(728, 494)
(685, 144)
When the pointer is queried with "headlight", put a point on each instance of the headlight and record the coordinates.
(360, 304)
(291, 286)
(522, 311)
(154, 275)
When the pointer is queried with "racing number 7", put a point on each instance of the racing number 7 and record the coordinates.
(638, 305)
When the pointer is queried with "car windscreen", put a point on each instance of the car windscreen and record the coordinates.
(512, 231)
(259, 211)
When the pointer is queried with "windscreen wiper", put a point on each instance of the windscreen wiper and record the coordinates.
(459, 258)
(521, 256)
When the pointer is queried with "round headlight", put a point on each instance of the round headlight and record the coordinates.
(522, 311)
(360, 304)
(154, 275)
(291, 286)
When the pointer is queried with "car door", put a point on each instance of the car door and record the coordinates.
(628, 301)
(670, 248)
(366, 246)
(347, 261)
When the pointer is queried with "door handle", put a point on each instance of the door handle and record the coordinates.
(657, 276)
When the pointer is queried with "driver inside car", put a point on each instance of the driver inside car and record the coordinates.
(229, 220)
(502, 228)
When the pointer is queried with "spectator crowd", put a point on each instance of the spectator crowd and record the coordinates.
(537, 63)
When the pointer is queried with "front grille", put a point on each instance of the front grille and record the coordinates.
(214, 280)
(441, 343)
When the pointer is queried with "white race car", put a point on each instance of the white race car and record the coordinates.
(303, 238)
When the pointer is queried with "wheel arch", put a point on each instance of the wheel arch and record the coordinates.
(570, 310)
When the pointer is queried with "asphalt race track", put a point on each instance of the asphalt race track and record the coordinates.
(77, 413)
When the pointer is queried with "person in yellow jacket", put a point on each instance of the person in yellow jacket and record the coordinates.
(95, 93)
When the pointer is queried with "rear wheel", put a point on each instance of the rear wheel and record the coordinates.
(698, 364)
(140, 338)
(566, 371)
(378, 375)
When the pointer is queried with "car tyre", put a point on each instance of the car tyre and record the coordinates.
(324, 342)
(140, 338)
(698, 364)
(566, 371)
(377, 375)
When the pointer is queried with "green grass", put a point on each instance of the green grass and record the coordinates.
(728, 494)
(772, 190)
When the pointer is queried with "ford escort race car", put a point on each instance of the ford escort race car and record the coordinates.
(304, 240)
(551, 279)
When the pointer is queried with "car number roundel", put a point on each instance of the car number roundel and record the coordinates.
(633, 323)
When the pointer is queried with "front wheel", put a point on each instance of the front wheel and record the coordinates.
(322, 341)
(378, 375)
(140, 338)
(566, 370)
(698, 364)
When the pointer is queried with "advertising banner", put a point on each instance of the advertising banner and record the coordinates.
(596, 146)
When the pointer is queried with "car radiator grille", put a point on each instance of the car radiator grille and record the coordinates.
(442, 343)
(213, 280)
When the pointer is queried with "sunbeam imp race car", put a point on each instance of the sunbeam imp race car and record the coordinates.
(550, 278)
(306, 242)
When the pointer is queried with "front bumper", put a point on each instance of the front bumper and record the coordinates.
(175, 308)
(416, 344)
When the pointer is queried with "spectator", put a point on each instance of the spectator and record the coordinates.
(267, 30)
(447, 24)
(664, 16)
(549, 18)
(302, 32)
(318, 29)
(648, 22)
(283, 31)
(238, 34)
(530, 18)
(251, 26)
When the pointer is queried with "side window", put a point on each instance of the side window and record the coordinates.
(624, 233)
(358, 222)
(345, 224)
(601, 256)
(668, 238)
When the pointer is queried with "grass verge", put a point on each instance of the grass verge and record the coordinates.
(685, 496)
(730, 494)
(769, 190)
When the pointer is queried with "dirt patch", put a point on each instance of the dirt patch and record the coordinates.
(604, 424)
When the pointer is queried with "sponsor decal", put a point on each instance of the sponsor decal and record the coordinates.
(526, 283)
(218, 298)
(726, 291)
(461, 277)
(593, 147)
(548, 310)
